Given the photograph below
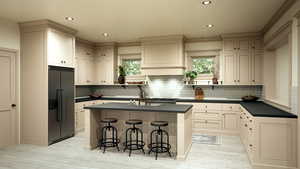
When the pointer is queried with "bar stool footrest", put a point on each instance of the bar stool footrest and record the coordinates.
(154, 147)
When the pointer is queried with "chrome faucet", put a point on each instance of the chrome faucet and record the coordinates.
(142, 94)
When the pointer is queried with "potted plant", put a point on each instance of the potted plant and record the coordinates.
(191, 76)
(122, 75)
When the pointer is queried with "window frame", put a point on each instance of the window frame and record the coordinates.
(206, 54)
(131, 57)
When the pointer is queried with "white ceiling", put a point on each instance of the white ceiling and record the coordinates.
(128, 20)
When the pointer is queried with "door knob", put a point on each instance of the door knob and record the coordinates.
(13, 105)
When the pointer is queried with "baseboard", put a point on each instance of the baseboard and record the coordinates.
(261, 166)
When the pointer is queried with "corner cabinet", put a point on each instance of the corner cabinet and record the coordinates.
(271, 143)
(242, 61)
(60, 48)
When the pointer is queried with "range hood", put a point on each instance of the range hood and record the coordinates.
(163, 55)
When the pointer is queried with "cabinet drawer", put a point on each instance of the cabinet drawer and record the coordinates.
(207, 124)
(207, 115)
(199, 124)
(231, 107)
(213, 124)
(213, 106)
(199, 107)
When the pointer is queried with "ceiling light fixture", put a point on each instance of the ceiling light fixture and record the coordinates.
(105, 34)
(209, 25)
(68, 18)
(206, 2)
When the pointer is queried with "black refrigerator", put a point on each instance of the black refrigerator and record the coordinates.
(61, 104)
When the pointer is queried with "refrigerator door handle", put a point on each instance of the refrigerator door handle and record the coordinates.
(59, 109)
(62, 104)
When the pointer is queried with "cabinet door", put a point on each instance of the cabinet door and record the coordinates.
(256, 68)
(243, 70)
(61, 49)
(230, 121)
(229, 46)
(229, 68)
(105, 68)
(85, 71)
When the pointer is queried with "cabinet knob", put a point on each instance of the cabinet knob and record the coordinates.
(250, 145)
(62, 61)
(250, 129)
(234, 80)
(241, 117)
(238, 80)
(246, 125)
(250, 120)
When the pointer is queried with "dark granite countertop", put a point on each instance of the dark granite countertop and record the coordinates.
(184, 99)
(261, 109)
(257, 109)
(171, 108)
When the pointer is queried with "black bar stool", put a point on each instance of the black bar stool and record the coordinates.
(134, 143)
(107, 141)
(159, 146)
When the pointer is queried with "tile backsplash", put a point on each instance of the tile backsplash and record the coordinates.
(172, 87)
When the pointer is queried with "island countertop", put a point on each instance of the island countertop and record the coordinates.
(171, 108)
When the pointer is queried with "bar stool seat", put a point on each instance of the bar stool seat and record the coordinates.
(159, 123)
(109, 120)
(134, 122)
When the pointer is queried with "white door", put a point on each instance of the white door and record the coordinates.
(7, 99)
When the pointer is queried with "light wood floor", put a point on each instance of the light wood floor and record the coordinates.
(71, 154)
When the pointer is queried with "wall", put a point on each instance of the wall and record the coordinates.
(283, 75)
(10, 35)
(173, 87)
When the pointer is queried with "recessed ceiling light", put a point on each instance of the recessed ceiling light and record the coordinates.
(209, 25)
(68, 18)
(105, 34)
(206, 2)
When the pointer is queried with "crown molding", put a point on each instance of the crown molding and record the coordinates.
(105, 44)
(85, 42)
(128, 44)
(287, 27)
(203, 39)
(44, 24)
(297, 15)
(278, 14)
(242, 35)
(162, 38)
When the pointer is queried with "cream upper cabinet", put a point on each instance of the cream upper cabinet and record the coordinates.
(84, 65)
(256, 61)
(229, 68)
(241, 61)
(85, 72)
(60, 48)
(105, 65)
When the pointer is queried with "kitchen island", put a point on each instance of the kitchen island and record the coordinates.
(179, 118)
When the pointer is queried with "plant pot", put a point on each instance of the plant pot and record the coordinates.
(121, 79)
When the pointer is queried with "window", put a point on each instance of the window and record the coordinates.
(203, 65)
(132, 66)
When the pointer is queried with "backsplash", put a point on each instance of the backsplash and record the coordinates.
(172, 87)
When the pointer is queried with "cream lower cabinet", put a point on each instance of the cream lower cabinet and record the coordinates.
(216, 118)
(269, 142)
